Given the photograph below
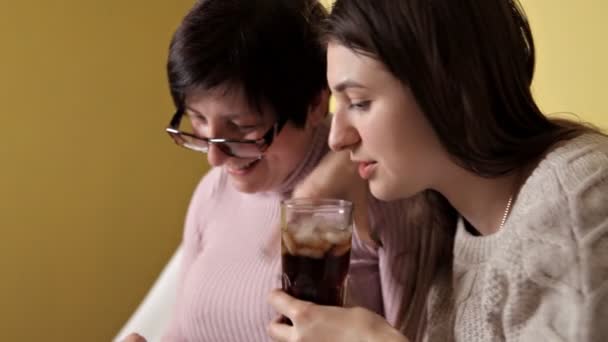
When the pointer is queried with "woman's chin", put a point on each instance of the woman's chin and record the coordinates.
(387, 192)
(382, 192)
(245, 185)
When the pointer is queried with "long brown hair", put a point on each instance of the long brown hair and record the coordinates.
(429, 226)
(469, 64)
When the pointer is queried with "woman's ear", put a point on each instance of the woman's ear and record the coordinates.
(318, 109)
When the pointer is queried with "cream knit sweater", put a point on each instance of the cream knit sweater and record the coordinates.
(544, 276)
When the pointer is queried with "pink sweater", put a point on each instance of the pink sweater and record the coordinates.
(225, 277)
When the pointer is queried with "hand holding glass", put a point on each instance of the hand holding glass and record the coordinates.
(316, 239)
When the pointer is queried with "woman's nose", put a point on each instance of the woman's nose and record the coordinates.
(215, 156)
(342, 135)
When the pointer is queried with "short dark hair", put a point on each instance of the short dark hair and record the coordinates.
(469, 64)
(269, 48)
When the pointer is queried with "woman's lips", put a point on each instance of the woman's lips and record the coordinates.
(366, 169)
(240, 171)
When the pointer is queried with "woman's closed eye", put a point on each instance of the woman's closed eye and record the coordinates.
(244, 128)
(359, 105)
(197, 121)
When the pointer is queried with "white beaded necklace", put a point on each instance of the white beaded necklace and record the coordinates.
(507, 210)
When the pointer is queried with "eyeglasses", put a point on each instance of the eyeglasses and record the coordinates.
(239, 148)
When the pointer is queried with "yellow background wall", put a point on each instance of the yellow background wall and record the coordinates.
(92, 192)
(572, 63)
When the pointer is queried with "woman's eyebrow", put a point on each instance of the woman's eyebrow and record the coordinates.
(342, 86)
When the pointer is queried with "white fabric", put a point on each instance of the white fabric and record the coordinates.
(153, 314)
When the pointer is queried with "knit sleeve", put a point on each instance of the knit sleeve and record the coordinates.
(571, 264)
(192, 243)
(588, 204)
(593, 253)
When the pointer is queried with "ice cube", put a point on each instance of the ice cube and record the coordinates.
(311, 252)
(288, 242)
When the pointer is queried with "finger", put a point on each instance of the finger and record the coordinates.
(279, 332)
(284, 303)
(134, 338)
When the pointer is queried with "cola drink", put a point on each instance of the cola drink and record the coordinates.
(315, 249)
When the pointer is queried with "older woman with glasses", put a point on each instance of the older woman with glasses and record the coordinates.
(248, 81)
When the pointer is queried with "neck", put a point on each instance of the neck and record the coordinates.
(481, 201)
(316, 147)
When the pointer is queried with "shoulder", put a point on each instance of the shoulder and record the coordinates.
(562, 211)
(578, 161)
(582, 172)
(571, 177)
